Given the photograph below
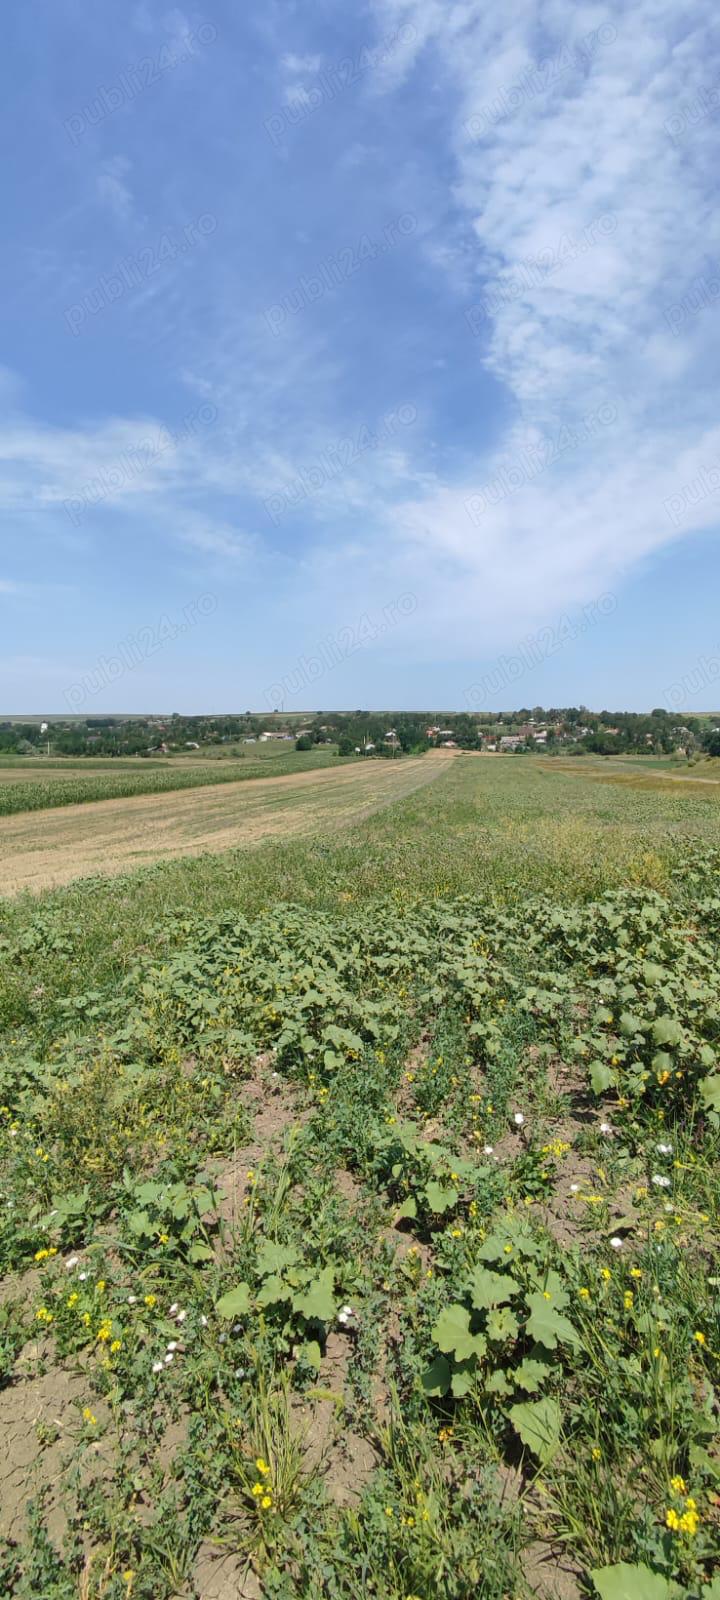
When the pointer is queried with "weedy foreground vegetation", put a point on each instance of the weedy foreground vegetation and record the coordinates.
(361, 1217)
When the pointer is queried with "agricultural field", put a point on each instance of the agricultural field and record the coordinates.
(38, 850)
(32, 783)
(361, 1227)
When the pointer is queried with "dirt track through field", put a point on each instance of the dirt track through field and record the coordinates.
(42, 849)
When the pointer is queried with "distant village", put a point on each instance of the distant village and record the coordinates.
(572, 730)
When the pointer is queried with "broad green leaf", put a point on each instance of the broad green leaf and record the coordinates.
(440, 1198)
(491, 1288)
(602, 1077)
(139, 1223)
(235, 1303)
(452, 1333)
(667, 1030)
(273, 1290)
(461, 1383)
(408, 1208)
(501, 1324)
(498, 1384)
(538, 1423)
(546, 1324)
(436, 1378)
(274, 1257)
(311, 1353)
(623, 1582)
(531, 1375)
(710, 1091)
(200, 1252)
(318, 1303)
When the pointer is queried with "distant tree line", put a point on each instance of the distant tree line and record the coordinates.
(573, 729)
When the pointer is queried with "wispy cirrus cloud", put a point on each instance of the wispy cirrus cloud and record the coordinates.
(112, 190)
(533, 170)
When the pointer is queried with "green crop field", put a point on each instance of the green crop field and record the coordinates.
(361, 1226)
(31, 783)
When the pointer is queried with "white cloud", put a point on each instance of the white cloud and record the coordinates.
(112, 190)
(586, 222)
(298, 64)
(216, 538)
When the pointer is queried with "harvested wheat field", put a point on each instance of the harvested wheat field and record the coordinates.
(43, 849)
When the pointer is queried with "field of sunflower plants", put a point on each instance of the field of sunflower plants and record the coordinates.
(366, 1250)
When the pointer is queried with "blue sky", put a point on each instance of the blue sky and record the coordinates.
(348, 358)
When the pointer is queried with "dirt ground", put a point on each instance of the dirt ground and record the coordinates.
(43, 849)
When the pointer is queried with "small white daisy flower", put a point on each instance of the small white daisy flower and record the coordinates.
(616, 1243)
(518, 1119)
(664, 1149)
(659, 1181)
(488, 1149)
(71, 1262)
(157, 1366)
